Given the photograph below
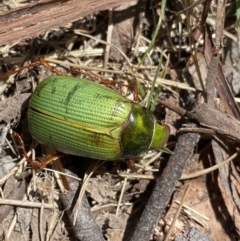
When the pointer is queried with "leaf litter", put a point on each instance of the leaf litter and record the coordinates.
(211, 205)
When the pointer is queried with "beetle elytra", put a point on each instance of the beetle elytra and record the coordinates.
(80, 117)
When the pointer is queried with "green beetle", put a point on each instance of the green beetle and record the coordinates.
(79, 117)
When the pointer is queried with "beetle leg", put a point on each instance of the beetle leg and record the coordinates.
(50, 159)
(48, 66)
(38, 164)
(40, 61)
(6, 75)
(95, 77)
(130, 164)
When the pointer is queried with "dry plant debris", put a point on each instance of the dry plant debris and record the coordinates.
(189, 77)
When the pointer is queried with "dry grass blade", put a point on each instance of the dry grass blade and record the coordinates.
(179, 59)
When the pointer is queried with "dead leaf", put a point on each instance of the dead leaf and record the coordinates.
(11, 108)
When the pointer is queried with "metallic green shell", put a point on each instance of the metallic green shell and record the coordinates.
(79, 117)
(142, 132)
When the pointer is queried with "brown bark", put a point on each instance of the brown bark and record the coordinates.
(36, 18)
